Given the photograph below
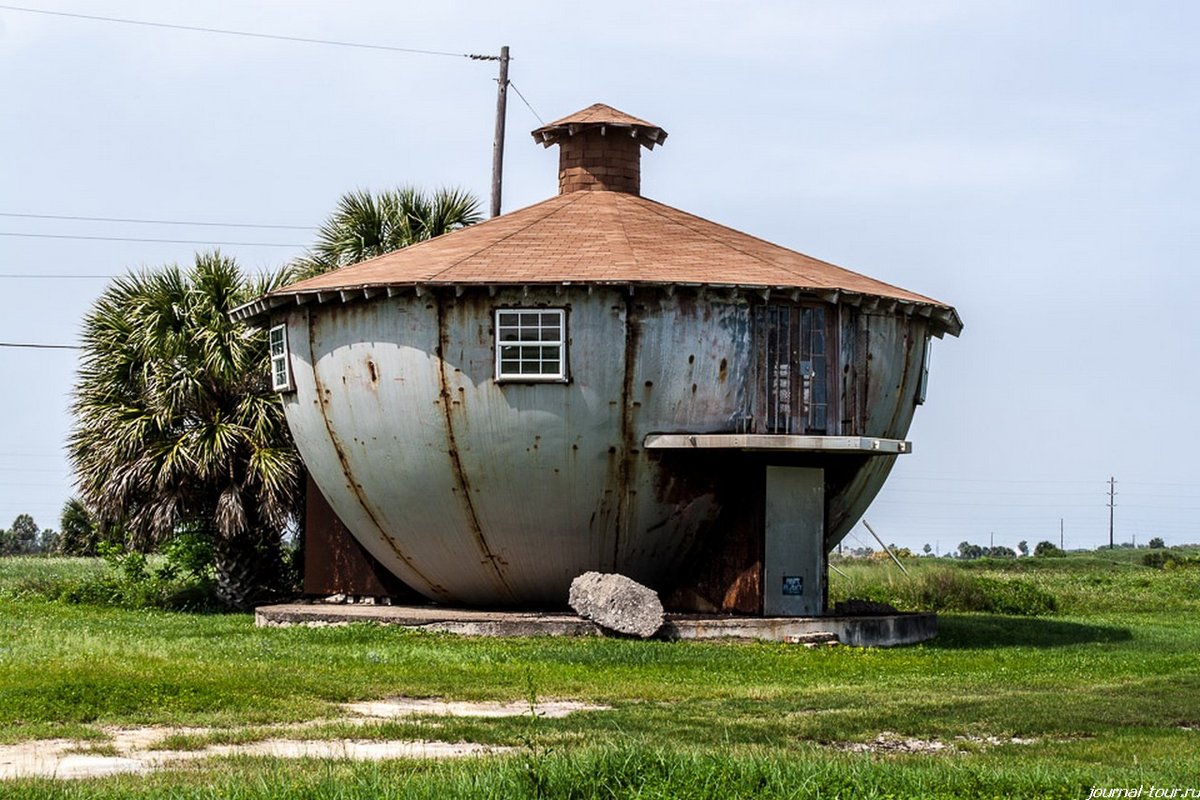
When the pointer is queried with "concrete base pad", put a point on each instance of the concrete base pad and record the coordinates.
(860, 631)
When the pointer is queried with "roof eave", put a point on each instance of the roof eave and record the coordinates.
(944, 319)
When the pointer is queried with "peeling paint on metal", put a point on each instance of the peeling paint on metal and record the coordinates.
(504, 492)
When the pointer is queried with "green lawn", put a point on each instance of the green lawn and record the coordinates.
(1109, 689)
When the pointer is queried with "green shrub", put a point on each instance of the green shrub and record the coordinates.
(1017, 597)
(190, 554)
(130, 582)
(1048, 550)
(948, 590)
(944, 588)
(1165, 559)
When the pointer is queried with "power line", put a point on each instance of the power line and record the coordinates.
(526, 102)
(133, 239)
(922, 503)
(973, 493)
(31, 346)
(941, 478)
(63, 277)
(156, 221)
(55, 470)
(250, 34)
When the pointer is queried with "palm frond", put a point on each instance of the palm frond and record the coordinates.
(172, 407)
(365, 225)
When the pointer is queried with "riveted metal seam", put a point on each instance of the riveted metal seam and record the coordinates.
(349, 473)
(460, 474)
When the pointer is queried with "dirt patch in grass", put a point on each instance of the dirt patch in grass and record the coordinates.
(141, 750)
(408, 706)
(888, 742)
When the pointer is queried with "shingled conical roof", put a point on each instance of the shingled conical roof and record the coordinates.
(604, 237)
(599, 115)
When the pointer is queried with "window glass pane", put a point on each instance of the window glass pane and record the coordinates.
(818, 331)
(277, 344)
(276, 337)
(532, 342)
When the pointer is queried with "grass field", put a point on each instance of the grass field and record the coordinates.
(1104, 692)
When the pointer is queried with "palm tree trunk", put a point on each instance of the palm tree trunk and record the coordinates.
(248, 569)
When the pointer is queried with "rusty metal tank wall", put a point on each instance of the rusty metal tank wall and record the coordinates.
(881, 357)
(473, 491)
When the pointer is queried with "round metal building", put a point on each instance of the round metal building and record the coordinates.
(601, 382)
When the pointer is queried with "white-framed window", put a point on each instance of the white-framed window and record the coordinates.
(923, 381)
(531, 344)
(281, 367)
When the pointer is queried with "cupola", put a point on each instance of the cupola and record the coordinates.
(600, 149)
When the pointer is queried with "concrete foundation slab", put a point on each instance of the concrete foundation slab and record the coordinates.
(860, 631)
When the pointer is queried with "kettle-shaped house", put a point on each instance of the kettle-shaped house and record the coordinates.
(600, 382)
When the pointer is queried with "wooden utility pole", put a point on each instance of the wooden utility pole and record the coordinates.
(1060, 534)
(1112, 503)
(498, 144)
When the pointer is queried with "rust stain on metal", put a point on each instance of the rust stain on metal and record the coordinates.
(898, 404)
(351, 484)
(639, 512)
(625, 463)
(334, 561)
(460, 475)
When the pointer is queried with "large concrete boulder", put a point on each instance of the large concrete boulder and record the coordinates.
(617, 603)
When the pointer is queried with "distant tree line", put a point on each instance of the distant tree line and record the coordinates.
(24, 537)
(967, 551)
(79, 534)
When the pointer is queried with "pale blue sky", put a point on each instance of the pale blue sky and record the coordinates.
(1031, 163)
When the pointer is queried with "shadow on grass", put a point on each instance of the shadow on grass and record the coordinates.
(992, 630)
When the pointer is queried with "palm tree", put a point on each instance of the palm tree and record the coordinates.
(366, 225)
(176, 426)
(79, 535)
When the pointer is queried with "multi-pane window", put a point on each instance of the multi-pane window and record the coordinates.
(790, 392)
(281, 369)
(924, 380)
(531, 344)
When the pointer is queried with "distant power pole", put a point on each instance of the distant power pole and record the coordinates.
(498, 145)
(1112, 503)
(1061, 546)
